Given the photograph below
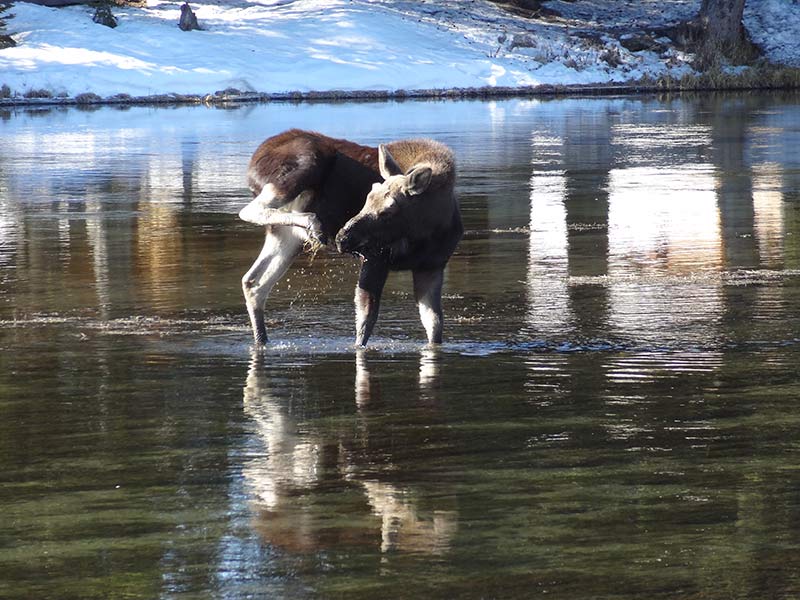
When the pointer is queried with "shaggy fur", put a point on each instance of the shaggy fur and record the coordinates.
(338, 172)
(411, 221)
(307, 186)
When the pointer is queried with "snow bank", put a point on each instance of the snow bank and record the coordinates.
(282, 46)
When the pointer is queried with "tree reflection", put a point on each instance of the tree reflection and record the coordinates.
(698, 224)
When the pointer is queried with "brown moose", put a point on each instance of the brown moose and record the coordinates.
(310, 187)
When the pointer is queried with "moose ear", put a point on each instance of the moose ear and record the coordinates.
(418, 180)
(386, 163)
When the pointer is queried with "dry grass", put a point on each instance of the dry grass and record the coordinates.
(758, 77)
(42, 93)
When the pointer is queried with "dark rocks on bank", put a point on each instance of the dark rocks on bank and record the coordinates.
(103, 16)
(636, 42)
(88, 98)
(188, 19)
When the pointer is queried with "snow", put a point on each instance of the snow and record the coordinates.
(774, 26)
(285, 46)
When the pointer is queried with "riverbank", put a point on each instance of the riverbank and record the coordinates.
(773, 78)
(297, 50)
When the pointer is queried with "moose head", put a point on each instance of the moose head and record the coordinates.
(392, 210)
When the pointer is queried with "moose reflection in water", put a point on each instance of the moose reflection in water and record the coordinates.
(307, 186)
(310, 478)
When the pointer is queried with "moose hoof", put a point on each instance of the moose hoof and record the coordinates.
(318, 237)
(259, 330)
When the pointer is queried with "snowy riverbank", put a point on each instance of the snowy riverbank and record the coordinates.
(288, 49)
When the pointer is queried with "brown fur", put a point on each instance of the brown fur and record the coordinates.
(339, 172)
(337, 175)
(424, 230)
(410, 221)
(410, 153)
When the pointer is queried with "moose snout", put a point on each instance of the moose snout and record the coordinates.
(350, 237)
(342, 240)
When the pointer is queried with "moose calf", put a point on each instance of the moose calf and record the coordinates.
(307, 187)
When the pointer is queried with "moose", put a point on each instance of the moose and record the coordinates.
(393, 206)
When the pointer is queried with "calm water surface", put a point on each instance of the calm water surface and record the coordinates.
(614, 413)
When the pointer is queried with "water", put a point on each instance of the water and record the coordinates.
(613, 413)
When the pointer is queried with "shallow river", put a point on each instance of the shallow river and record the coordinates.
(615, 412)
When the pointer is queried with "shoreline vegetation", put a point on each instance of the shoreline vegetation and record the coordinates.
(764, 78)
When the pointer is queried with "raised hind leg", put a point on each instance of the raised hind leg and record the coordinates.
(428, 293)
(281, 247)
(269, 209)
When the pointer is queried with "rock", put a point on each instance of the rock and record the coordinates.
(231, 91)
(522, 40)
(103, 16)
(88, 98)
(188, 18)
(636, 42)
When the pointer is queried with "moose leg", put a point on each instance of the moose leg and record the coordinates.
(368, 297)
(281, 246)
(263, 212)
(306, 221)
(428, 294)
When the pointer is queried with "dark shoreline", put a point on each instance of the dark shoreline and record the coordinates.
(237, 96)
(233, 96)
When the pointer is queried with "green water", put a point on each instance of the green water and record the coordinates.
(613, 413)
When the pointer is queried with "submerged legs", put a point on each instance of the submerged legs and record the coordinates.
(368, 297)
(428, 294)
(283, 244)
